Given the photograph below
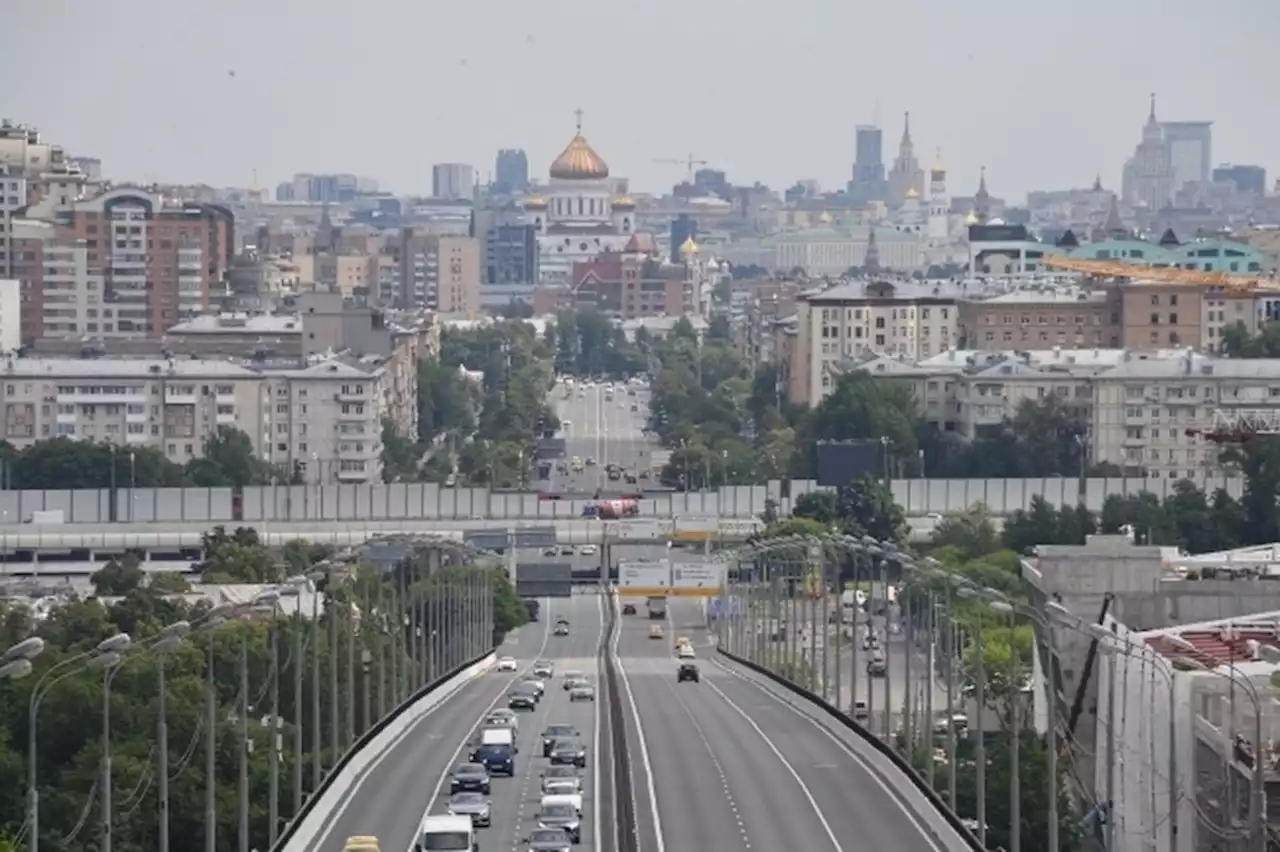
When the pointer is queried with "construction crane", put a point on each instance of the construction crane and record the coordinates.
(1227, 281)
(689, 162)
(1238, 425)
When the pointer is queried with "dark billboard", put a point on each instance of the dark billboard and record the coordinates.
(544, 580)
(845, 462)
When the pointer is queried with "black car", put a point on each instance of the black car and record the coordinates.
(562, 816)
(470, 777)
(496, 760)
(568, 752)
(628, 609)
(687, 671)
(522, 699)
(555, 733)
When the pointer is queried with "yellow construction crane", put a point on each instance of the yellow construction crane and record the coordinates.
(1228, 281)
(689, 162)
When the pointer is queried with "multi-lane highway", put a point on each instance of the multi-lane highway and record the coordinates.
(735, 763)
(413, 779)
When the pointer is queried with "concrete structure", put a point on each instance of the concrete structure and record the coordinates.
(439, 272)
(10, 314)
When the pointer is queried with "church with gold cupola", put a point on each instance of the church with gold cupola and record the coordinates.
(581, 214)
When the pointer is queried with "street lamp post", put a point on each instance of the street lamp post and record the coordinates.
(112, 645)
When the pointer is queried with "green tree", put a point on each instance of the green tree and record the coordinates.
(400, 456)
(118, 577)
(446, 402)
(970, 532)
(229, 460)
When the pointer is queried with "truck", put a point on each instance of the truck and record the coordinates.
(657, 608)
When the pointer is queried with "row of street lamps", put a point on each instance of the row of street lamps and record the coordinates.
(408, 637)
(784, 582)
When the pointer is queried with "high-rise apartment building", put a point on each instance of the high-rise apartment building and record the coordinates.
(868, 182)
(452, 181)
(439, 272)
(511, 171)
(511, 264)
(120, 264)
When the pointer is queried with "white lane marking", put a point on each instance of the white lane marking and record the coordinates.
(544, 607)
(715, 762)
(335, 816)
(795, 776)
(925, 830)
(595, 744)
(651, 788)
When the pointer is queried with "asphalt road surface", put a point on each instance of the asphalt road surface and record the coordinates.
(414, 778)
(731, 764)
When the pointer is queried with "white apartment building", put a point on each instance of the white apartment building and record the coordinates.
(1137, 406)
(905, 319)
(323, 417)
(10, 314)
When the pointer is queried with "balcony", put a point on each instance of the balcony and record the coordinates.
(173, 398)
(350, 416)
(352, 475)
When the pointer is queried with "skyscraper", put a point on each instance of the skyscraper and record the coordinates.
(452, 181)
(868, 182)
(1190, 150)
(511, 171)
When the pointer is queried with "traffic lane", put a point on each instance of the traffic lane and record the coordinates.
(897, 653)
(515, 801)
(424, 753)
(838, 775)
(685, 779)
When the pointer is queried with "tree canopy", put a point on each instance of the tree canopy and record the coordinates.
(62, 463)
(69, 746)
(589, 344)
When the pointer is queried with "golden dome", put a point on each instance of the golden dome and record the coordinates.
(534, 201)
(624, 201)
(938, 165)
(688, 246)
(972, 218)
(911, 193)
(579, 161)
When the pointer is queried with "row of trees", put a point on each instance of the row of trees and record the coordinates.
(61, 463)
(726, 426)
(69, 753)
(588, 344)
(481, 409)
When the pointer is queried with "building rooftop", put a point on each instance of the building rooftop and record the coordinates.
(239, 323)
(1233, 642)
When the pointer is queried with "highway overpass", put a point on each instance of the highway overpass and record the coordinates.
(75, 549)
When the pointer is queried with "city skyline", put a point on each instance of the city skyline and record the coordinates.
(1029, 110)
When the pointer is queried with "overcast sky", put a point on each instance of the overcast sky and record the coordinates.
(1045, 94)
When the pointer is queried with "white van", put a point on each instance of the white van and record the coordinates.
(446, 834)
(497, 736)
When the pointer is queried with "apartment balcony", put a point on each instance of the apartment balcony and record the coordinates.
(65, 418)
(137, 439)
(358, 397)
(225, 419)
(1128, 441)
(79, 398)
(171, 398)
(352, 475)
(139, 417)
(351, 416)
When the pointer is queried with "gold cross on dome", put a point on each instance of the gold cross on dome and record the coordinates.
(577, 114)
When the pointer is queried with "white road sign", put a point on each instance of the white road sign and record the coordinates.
(644, 579)
(697, 527)
(697, 579)
(644, 529)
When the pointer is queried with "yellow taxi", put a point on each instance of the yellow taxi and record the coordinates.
(655, 632)
(361, 843)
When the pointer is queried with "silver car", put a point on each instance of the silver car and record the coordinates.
(584, 692)
(474, 805)
(549, 840)
(561, 780)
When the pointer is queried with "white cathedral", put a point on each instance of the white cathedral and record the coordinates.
(581, 214)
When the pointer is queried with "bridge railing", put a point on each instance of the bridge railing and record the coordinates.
(429, 501)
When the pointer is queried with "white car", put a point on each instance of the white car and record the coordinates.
(574, 799)
(587, 550)
(686, 652)
(506, 664)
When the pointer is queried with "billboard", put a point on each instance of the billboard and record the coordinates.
(544, 579)
(845, 462)
(638, 529)
(696, 527)
(644, 579)
(697, 579)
